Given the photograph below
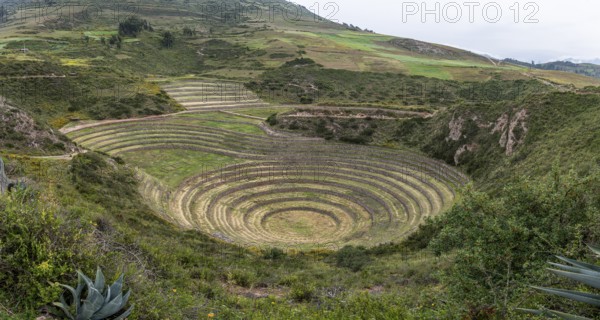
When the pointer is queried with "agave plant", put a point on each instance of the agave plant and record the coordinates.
(98, 303)
(579, 271)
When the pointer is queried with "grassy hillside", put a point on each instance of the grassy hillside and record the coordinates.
(305, 82)
(493, 141)
(234, 40)
(586, 69)
(94, 216)
(94, 202)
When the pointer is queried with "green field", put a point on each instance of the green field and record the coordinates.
(173, 166)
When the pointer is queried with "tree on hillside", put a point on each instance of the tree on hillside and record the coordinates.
(133, 26)
(115, 40)
(167, 39)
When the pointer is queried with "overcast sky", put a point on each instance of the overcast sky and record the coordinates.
(546, 30)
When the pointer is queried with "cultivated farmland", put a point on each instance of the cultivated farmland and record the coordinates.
(218, 168)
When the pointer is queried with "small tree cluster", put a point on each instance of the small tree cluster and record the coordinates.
(115, 40)
(168, 39)
(133, 26)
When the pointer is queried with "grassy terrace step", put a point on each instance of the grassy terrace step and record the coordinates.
(333, 180)
(215, 98)
(200, 83)
(214, 205)
(243, 144)
(201, 91)
(205, 87)
(205, 95)
(246, 146)
(191, 136)
(254, 151)
(271, 190)
(230, 104)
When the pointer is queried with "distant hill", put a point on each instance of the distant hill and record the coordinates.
(235, 40)
(586, 69)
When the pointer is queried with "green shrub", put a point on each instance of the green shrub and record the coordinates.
(353, 258)
(303, 291)
(168, 39)
(272, 119)
(274, 254)
(240, 277)
(300, 62)
(38, 245)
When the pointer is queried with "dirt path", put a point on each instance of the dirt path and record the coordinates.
(358, 116)
(273, 133)
(241, 115)
(67, 156)
(422, 114)
(35, 77)
(66, 130)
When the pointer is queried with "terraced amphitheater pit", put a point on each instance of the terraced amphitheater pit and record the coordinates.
(269, 189)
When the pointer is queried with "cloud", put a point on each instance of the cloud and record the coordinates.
(563, 29)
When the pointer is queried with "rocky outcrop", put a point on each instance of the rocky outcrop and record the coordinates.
(3, 178)
(464, 148)
(513, 140)
(456, 127)
(19, 131)
(513, 130)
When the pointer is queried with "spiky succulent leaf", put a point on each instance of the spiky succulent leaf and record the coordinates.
(580, 264)
(99, 283)
(71, 289)
(88, 282)
(581, 270)
(64, 307)
(100, 302)
(594, 249)
(593, 281)
(116, 287)
(588, 298)
(107, 295)
(76, 293)
(124, 314)
(91, 305)
(63, 301)
(565, 316)
(553, 314)
(109, 308)
(125, 298)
